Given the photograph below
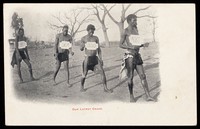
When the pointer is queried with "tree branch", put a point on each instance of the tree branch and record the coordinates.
(123, 14)
(141, 9)
(58, 18)
(147, 16)
(127, 7)
(73, 21)
(97, 13)
(103, 17)
(88, 8)
(53, 26)
(122, 7)
(111, 7)
(81, 31)
(99, 6)
(76, 14)
(107, 11)
(69, 19)
(73, 26)
(70, 22)
(81, 23)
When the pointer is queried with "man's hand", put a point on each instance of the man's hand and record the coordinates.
(133, 46)
(136, 47)
(72, 53)
(82, 48)
(145, 44)
(28, 58)
(101, 61)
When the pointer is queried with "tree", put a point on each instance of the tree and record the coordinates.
(75, 21)
(96, 11)
(154, 27)
(17, 22)
(123, 17)
(14, 22)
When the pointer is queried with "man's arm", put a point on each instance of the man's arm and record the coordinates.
(26, 49)
(70, 49)
(82, 44)
(16, 47)
(122, 45)
(56, 45)
(99, 49)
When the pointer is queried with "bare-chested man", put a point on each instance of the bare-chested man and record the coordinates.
(63, 46)
(21, 53)
(91, 45)
(132, 57)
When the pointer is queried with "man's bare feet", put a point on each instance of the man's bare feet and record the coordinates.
(132, 100)
(149, 98)
(33, 79)
(107, 90)
(69, 85)
(54, 83)
(82, 89)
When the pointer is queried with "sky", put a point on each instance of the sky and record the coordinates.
(37, 16)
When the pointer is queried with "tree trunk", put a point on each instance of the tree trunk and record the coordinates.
(153, 32)
(73, 39)
(154, 38)
(105, 35)
(121, 28)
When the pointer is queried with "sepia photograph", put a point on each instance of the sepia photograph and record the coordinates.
(99, 64)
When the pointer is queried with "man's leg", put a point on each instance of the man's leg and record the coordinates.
(140, 71)
(58, 64)
(29, 68)
(66, 67)
(18, 68)
(84, 74)
(19, 71)
(100, 68)
(130, 70)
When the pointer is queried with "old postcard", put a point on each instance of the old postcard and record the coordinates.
(100, 64)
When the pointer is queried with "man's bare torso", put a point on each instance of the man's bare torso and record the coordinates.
(86, 39)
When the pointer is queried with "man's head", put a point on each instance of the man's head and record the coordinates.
(132, 19)
(20, 32)
(65, 29)
(90, 29)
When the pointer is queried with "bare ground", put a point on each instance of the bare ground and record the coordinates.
(43, 64)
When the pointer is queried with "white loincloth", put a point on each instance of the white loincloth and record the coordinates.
(65, 45)
(136, 39)
(91, 45)
(123, 74)
(22, 44)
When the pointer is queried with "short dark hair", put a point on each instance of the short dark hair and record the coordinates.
(90, 27)
(131, 16)
(65, 26)
(19, 30)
